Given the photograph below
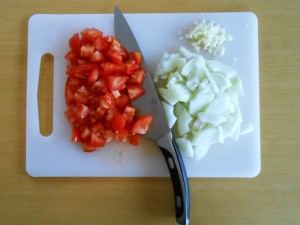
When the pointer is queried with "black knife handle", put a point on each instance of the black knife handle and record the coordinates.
(178, 175)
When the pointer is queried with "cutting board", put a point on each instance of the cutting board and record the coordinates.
(56, 156)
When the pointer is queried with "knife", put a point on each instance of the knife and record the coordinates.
(159, 131)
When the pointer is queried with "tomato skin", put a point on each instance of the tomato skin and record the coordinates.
(102, 80)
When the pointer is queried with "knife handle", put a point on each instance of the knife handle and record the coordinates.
(178, 175)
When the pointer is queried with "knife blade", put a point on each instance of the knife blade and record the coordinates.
(149, 103)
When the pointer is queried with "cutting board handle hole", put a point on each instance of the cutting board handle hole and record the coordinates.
(45, 95)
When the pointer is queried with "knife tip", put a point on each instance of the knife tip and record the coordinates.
(117, 9)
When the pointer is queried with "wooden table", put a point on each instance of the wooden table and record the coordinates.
(271, 198)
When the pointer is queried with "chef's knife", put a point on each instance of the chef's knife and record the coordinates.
(159, 131)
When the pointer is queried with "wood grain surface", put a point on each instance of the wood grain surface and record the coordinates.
(272, 198)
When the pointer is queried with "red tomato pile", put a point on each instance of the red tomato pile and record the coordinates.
(102, 80)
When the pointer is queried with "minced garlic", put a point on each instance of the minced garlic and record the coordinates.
(209, 37)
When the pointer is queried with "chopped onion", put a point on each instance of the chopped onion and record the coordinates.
(200, 99)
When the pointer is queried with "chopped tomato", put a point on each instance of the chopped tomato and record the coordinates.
(75, 44)
(84, 68)
(108, 101)
(87, 50)
(97, 57)
(122, 101)
(135, 91)
(102, 80)
(118, 122)
(122, 135)
(129, 113)
(134, 139)
(76, 135)
(97, 140)
(138, 76)
(137, 57)
(115, 57)
(93, 76)
(87, 147)
(116, 83)
(100, 44)
(90, 35)
(142, 124)
(99, 87)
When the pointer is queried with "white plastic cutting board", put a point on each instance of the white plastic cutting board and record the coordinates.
(56, 156)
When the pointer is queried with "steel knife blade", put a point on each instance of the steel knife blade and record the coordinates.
(149, 103)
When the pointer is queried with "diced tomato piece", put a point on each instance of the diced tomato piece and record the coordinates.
(97, 57)
(108, 101)
(100, 44)
(98, 127)
(108, 135)
(122, 101)
(138, 76)
(118, 122)
(97, 140)
(69, 94)
(135, 91)
(108, 68)
(137, 57)
(75, 44)
(116, 94)
(124, 53)
(110, 113)
(87, 50)
(91, 34)
(100, 87)
(85, 132)
(134, 139)
(116, 83)
(74, 82)
(76, 135)
(81, 110)
(100, 112)
(87, 147)
(71, 56)
(129, 113)
(142, 124)
(122, 135)
(93, 76)
(115, 57)
(130, 66)
(81, 95)
(84, 68)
